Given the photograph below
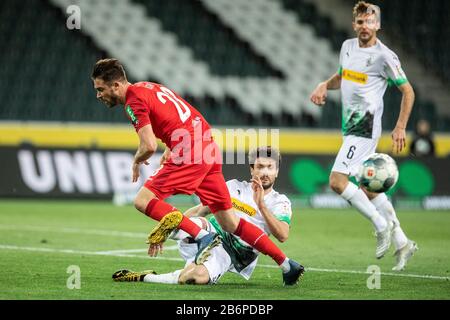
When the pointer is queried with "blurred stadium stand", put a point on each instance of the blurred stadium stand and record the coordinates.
(44, 74)
(240, 62)
(423, 27)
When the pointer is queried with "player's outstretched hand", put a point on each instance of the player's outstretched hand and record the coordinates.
(135, 169)
(258, 190)
(165, 157)
(155, 249)
(135, 174)
(398, 139)
(319, 95)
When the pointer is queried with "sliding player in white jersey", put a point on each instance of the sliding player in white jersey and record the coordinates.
(367, 66)
(255, 201)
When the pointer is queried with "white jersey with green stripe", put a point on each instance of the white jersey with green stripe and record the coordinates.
(245, 207)
(366, 73)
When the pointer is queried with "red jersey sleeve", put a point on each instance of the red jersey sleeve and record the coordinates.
(137, 112)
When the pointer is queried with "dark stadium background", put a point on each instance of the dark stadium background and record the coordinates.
(65, 159)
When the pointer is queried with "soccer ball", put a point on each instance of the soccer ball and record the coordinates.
(378, 173)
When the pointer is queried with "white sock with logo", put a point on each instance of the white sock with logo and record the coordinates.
(168, 278)
(385, 207)
(359, 200)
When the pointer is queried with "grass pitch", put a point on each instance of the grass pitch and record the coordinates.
(40, 240)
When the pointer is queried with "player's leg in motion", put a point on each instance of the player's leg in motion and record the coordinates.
(147, 276)
(404, 247)
(340, 184)
(168, 216)
(191, 274)
(214, 193)
(261, 242)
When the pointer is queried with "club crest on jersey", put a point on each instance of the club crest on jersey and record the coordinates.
(130, 112)
(369, 61)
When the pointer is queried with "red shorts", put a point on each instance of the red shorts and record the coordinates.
(203, 179)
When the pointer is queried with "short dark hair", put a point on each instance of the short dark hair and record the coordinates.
(109, 70)
(264, 152)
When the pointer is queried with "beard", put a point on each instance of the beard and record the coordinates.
(112, 102)
(365, 38)
(268, 184)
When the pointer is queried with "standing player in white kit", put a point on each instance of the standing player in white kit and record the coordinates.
(367, 66)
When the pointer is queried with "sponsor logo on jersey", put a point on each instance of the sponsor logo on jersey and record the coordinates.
(354, 76)
(243, 207)
(130, 112)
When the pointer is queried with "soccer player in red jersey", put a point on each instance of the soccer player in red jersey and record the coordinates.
(191, 164)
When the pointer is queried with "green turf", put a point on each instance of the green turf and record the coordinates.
(320, 239)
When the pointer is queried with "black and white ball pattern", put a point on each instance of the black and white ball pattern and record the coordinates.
(378, 173)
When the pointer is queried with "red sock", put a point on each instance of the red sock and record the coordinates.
(255, 237)
(157, 209)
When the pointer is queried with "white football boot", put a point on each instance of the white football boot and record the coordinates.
(404, 254)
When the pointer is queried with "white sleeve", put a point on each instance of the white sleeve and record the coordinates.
(341, 57)
(231, 183)
(232, 186)
(282, 209)
(392, 70)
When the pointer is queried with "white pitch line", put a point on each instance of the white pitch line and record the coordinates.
(112, 252)
(408, 275)
(105, 253)
(91, 253)
(121, 251)
(97, 232)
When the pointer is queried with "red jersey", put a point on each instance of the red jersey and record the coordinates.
(152, 103)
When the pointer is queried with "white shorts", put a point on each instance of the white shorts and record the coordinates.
(353, 152)
(218, 263)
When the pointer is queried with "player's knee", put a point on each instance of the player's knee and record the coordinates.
(336, 183)
(183, 278)
(201, 276)
(227, 220)
(197, 275)
(140, 204)
(143, 198)
(229, 226)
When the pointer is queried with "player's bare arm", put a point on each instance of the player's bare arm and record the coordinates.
(279, 229)
(399, 132)
(147, 146)
(319, 94)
